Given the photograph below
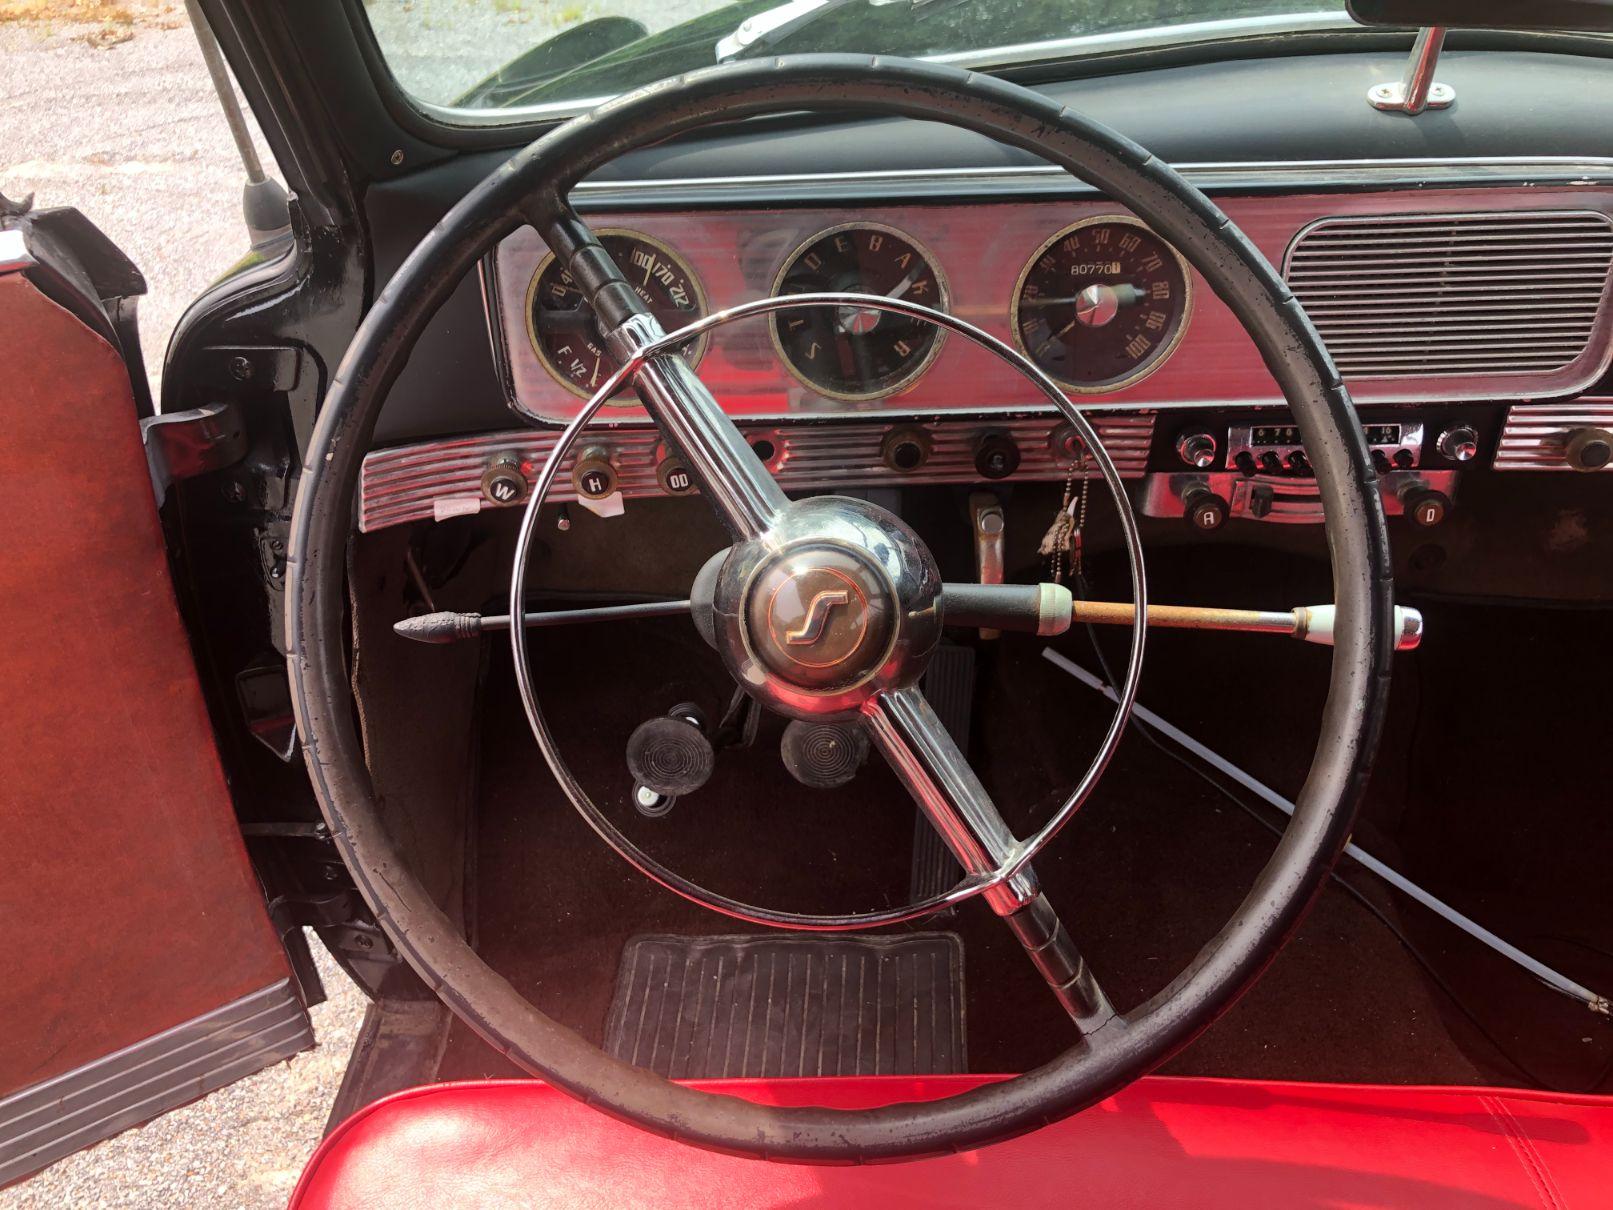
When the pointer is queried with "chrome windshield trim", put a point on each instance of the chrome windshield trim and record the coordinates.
(1559, 170)
(1153, 38)
(1088, 45)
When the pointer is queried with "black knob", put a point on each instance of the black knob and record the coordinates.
(1380, 460)
(1204, 509)
(996, 456)
(671, 754)
(905, 450)
(1425, 507)
(503, 482)
(1270, 463)
(1589, 449)
(674, 476)
(823, 755)
(1403, 460)
(1245, 462)
(594, 477)
(1298, 463)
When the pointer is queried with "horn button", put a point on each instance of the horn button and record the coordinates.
(837, 602)
(820, 617)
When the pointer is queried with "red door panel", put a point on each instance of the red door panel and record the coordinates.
(130, 919)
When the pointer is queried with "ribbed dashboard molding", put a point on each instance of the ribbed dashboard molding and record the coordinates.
(1535, 436)
(45, 1122)
(1456, 295)
(440, 479)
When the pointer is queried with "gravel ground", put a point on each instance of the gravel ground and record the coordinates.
(131, 133)
(122, 123)
(118, 118)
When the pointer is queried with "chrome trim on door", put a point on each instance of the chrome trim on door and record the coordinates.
(14, 254)
(50, 1120)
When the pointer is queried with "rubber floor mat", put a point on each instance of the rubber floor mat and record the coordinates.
(771, 1006)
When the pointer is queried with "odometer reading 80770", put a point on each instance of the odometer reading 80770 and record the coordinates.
(1102, 304)
(562, 327)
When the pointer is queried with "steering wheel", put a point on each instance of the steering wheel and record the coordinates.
(786, 555)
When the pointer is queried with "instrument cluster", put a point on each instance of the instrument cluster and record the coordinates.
(1100, 303)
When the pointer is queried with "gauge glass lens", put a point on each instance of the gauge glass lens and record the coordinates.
(563, 328)
(850, 352)
(1102, 304)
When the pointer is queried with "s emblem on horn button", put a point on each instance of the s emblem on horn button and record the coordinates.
(817, 615)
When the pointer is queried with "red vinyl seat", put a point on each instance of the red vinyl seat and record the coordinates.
(1162, 1142)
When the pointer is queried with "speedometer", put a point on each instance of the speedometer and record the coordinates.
(562, 327)
(1102, 304)
(851, 352)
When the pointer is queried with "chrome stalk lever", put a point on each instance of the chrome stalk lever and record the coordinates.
(1048, 609)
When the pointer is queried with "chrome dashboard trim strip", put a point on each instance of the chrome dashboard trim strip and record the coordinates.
(1211, 174)
(441, 479)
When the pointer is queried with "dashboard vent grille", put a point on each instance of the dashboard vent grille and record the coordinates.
(1454, 295)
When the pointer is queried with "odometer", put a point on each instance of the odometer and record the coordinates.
(563, 329)
(857, 352)
(1102, 304)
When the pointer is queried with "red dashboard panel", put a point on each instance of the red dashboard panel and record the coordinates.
(980, 250)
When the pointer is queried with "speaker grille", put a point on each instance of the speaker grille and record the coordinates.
(1454, 295)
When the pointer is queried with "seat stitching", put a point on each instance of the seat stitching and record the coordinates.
(1526, 1159)
(1546, 1176)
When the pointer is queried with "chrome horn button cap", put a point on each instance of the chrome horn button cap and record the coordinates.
(832, 605)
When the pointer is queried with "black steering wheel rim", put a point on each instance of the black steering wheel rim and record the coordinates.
(532, 186)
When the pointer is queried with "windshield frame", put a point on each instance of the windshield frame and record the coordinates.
(1158, 38)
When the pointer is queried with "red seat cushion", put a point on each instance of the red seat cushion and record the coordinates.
(1161, 1142)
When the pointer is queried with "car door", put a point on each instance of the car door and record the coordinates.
(140, 966)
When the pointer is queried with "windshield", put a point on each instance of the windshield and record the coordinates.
(499, 55)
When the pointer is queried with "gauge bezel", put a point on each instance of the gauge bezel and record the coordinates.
(908, 380)
(1166, 349)
(695, 354)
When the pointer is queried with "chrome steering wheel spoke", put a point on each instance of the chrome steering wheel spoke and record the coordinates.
(912, 738)
(739, 487)
(924, 757)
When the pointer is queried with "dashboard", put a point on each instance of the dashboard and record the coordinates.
(1466, 300)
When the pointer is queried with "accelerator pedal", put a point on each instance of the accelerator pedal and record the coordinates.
(774, 1007)
(949, 685)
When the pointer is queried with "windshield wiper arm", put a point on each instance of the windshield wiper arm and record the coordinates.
(763, 29)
